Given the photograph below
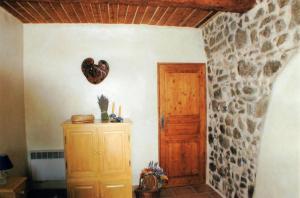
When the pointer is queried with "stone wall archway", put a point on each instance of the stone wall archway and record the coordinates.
(245, 55)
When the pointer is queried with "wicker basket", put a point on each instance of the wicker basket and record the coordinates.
(77, 119)
(148, 182)
(147, 194)
(148, 187)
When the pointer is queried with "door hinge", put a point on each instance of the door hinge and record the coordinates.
(66, 163)
(65, 140)
(129, 162)
(128, 138)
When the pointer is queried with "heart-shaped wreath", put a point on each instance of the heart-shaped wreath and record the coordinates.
(94, 73)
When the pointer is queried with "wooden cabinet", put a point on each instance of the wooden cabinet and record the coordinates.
(98, 160)
(14, 188)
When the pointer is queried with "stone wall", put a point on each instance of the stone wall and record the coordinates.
(245, 54)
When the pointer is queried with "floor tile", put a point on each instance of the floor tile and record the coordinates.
(184, 190)
(199, 191)
(203, 188)
(167, 193)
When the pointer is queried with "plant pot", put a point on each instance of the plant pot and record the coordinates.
(147, 194)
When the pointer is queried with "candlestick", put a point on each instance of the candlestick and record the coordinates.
(120, 110)
(113, 108)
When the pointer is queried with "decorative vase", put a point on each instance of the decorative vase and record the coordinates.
(104, 116)
(103, 104)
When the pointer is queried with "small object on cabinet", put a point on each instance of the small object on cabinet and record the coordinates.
(103, 104)
(77, 119)
(113, 115)
(116, 119)
(119, 118)
(5, 164)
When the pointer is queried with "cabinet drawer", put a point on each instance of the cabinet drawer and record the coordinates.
(83, 189)
(116, 189)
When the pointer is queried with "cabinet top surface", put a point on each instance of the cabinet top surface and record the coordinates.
(12, 184)
(98, 122)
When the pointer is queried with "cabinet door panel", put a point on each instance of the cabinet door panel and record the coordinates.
(81, 153)
(117, 189)
(114, 151)
(83, 189)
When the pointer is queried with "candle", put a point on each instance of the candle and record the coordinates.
(113, 108)
(120, 110)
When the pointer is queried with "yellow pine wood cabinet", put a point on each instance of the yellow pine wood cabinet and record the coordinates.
(97, 157)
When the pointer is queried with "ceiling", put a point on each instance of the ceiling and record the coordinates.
(182, 13)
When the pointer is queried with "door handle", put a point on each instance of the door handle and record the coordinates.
(115, 186)
(162, 121)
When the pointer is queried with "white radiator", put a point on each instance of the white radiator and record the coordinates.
(47, 165)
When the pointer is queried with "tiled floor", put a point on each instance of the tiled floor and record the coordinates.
(201, 191)
(47, 193)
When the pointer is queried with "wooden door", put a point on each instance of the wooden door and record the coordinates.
(82, 151)
(83, 189)
(117, 189)
(115, 151)
(182, 122)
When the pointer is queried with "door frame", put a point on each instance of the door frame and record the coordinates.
(204, 106)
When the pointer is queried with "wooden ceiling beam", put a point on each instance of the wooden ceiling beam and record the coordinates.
(14, 12)
(239, 6)
(206, 18)
(131, 13)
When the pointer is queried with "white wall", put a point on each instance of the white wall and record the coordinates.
(55, 87)
(278, 173)
(12, 120)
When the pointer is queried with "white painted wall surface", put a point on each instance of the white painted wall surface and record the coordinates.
(12, 120)
(278, 174)
(55, 87)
